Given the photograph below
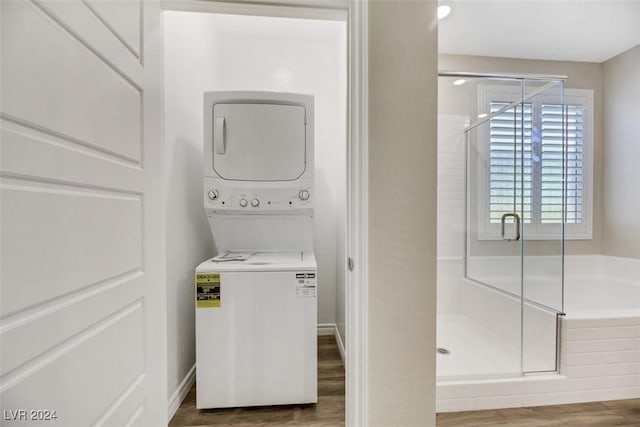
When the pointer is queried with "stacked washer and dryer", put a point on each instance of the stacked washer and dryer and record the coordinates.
(256, 303)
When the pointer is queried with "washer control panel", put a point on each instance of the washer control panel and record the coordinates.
(266, 199)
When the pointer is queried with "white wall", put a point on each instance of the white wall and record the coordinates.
(402, 212)
(341, 271)
(622, 155)
(207, 52)
(305, 56)
(189, 240)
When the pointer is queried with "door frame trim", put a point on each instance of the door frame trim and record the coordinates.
(355, 14)
(357, 228)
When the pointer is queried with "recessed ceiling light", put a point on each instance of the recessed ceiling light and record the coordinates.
(459, 82)
(443, 11)
(482, 115)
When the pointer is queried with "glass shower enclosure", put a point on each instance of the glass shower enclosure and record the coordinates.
(516, 189)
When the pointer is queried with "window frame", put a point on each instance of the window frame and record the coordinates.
(536, 231)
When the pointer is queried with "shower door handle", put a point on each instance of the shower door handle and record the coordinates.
(517, 217)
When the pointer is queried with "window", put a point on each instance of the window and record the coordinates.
(524, 155)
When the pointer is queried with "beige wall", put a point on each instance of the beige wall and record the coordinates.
(581, 75)
(402, 207)
(621, 164)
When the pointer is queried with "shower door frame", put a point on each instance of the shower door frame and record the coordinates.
(547, 81)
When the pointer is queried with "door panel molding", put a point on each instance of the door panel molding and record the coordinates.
(83, 311)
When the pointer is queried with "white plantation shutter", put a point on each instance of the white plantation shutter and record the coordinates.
(534, 131)
(525, 158)
(551, 163)
(510, 188)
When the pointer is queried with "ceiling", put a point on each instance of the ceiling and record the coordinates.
(569, 30)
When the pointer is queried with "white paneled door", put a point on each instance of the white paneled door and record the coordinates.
(82, 292)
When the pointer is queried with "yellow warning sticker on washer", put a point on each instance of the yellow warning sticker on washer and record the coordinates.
(208, 290)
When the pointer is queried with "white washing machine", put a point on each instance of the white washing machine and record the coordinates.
(256, 331)
(256, 302)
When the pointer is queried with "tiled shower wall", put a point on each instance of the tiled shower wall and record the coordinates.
(451, 208)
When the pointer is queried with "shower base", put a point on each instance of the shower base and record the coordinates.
(475, 352)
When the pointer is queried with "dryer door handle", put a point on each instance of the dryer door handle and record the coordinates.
(219, 136)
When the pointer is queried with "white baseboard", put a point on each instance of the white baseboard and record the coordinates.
(181, 392)
(332, 329)
(340, 346)
(326, 329)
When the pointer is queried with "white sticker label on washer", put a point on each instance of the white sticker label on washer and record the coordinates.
(305, 291)
(306, 285)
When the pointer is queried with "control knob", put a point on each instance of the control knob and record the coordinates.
(243, 203)
(303, 195)
(255, 203)
(213, 194)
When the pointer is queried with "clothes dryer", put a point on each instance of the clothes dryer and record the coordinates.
(256, 326)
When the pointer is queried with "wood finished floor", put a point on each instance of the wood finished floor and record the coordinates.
(329, 411)
(618, 413)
